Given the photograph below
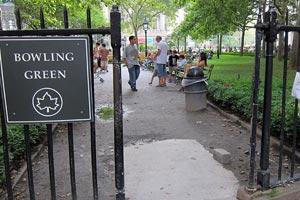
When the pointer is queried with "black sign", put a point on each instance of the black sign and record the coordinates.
(46, 79)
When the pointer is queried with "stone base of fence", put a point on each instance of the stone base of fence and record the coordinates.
(287, 192)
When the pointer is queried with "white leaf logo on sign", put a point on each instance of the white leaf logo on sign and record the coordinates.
(47, 102)
(296, 86)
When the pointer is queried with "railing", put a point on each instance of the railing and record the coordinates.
(269, 30)
(115, 32)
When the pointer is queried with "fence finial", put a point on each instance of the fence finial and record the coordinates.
(115, 8)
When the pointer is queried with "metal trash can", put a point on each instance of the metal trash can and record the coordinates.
(195, 89)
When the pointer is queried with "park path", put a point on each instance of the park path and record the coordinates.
(167, 149)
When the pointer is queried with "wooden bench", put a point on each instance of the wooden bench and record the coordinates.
(179, 75)
(209, 71)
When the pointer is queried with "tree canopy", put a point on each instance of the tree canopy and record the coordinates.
(53, 10)
(207, 18)
(135, 11)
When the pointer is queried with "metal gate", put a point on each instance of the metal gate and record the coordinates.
(267, 31)
(115, 31)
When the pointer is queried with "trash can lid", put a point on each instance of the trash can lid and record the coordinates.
(195, 71)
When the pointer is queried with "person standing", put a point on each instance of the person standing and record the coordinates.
(96, 56)
(131, 59)
(104, 57)
(161, 60)
(173, 58)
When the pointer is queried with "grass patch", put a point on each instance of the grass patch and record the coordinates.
(105, 113)
(273, 193)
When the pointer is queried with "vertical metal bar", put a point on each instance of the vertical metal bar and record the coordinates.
(29, 163)
(284, 79)
(255, 90)
(92, 124)
(115, 24)
(66, 19)
(42, 19)
(263, 175)
(72, 161)
(294, 139)
(18, 18)
(51, 162)
(6, 153)
(70, 133)
(146, 49)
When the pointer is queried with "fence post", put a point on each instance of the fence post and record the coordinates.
(263, 175)
(255, 92)
(115, 24)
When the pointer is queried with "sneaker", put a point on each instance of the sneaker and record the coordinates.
(150, 83)
(129, 83)
(134, 89)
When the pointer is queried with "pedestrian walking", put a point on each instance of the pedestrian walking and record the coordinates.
(96, 57)
(104, 52)
(132, 60)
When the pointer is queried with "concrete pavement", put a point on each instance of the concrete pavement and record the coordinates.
(167, 149)
(176, 170)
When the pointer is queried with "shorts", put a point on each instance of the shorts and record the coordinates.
(161, 69)
(104, 63)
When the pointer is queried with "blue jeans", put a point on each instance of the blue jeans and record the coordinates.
(134, 73)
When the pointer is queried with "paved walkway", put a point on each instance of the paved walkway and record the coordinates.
(176, 170)
(166, 149)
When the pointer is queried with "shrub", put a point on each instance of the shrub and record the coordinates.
(236, 97)
(15, 137)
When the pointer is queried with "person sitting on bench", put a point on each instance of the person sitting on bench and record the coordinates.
(202, 62)
(182, 62)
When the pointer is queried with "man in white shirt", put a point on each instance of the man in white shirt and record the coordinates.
(161, 61)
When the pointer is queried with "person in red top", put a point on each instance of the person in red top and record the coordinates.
(104, 52)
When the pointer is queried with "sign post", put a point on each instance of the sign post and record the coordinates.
(46, 79)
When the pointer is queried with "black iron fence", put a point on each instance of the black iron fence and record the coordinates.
(267, 31)
(115, 31)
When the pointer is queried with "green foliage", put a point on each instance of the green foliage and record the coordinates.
(15, 136)
(106, 113)
(207, 18)
(135, 11)
(230, 87)
(53, 12)
(238, 53)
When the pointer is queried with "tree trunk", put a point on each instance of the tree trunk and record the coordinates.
(242, 41)
(294, 51)
(294, 61)
(281, 39)
(220, 44)
(136, 36)
(263, 41)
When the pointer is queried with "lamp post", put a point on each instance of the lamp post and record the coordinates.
(123, 43)
(178, 36)
(145, 27)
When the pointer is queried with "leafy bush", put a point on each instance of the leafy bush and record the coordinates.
(15, 137)
(236, 97)
(238, 53)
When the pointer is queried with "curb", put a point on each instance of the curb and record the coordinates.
(273, 141)
(243, 193)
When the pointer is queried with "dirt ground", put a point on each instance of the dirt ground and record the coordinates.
(151, 114)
